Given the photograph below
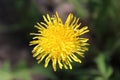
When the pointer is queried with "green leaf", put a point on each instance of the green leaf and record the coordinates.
(100, 61)
(105, 70)
(109, 71)
(98, 78)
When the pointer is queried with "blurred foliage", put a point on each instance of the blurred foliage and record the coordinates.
(5, 73)
(23, 73)
(80, 7)
(105, 71)
(102, 61)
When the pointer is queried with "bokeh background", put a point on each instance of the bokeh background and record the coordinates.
(17, 18)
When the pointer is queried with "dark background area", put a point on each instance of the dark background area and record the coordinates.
(17, 18)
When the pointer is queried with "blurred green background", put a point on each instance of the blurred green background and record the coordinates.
(17, 18)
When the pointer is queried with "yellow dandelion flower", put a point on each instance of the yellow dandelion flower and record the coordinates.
(59, 42)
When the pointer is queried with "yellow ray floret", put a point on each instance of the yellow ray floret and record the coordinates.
(59, 42)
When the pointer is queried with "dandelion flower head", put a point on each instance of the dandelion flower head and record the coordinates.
(58, 42)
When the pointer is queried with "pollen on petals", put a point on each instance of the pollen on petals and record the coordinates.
(58, 42)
